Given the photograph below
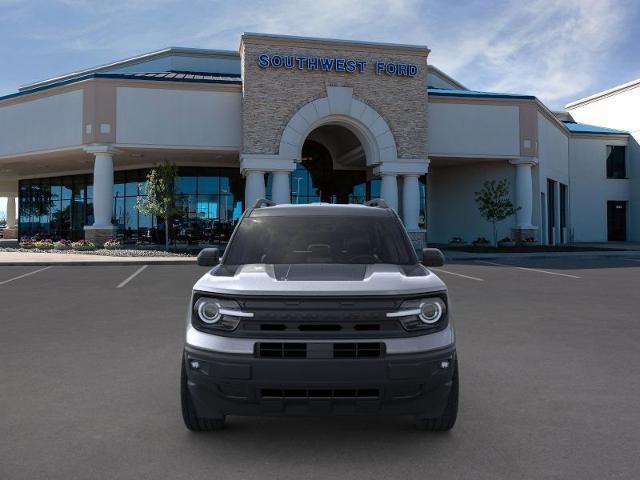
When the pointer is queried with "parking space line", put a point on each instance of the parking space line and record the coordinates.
(632, 259)
(25, 275)
(132, 276)
(528, 269)
(439, 270)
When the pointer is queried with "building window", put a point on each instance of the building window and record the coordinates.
(616, 161)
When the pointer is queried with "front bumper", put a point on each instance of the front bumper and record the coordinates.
(406, 384)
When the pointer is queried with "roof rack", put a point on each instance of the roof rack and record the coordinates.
(264, 203)
(376, 202)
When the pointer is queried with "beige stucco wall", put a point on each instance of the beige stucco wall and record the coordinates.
(272, 96)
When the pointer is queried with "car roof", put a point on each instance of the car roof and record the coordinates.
(320, 209)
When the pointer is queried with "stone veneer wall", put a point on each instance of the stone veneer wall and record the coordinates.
(271, 96)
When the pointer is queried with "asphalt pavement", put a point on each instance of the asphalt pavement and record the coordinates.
(549, 365)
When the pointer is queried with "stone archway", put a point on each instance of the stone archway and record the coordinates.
(340, 108)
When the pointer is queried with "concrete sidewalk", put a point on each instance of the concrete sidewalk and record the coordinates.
(33, 258)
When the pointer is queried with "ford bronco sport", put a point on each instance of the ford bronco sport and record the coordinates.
(319, 310)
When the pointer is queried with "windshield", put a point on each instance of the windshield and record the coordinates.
(320, 239)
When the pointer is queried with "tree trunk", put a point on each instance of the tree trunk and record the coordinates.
(166, 233)
(495, 234)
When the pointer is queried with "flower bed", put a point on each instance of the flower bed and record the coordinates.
(83, 245)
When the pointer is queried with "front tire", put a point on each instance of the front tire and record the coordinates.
(191, 419)
(447, 420)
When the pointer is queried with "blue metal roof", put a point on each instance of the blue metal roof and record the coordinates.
(444, 92)
(575, 127)
(173, 76)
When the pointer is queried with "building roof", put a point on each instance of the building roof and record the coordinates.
(145, 57)
(171, 76)
(475, 93)
(575, 127)
(604, 93)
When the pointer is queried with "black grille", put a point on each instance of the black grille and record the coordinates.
(357, 350)
(282, 350)
(320, 350)
(332, 394)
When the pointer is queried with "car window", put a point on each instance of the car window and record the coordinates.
(320, 239)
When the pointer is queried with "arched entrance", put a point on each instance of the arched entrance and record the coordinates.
(334, 164)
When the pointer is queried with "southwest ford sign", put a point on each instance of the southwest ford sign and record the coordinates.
(331, 64)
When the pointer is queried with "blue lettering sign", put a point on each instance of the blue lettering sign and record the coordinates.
(329, 64)
(288, 61)
(351, 66)
(263, 61)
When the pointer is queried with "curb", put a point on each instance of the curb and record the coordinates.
(90, 263)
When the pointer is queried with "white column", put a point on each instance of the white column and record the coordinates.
(410, 201)
(254, 188)
(11, 211)
(280, 191)
(103, 189)
(389, 189)
(524, 192)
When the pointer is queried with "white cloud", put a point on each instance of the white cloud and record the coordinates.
(554, 49)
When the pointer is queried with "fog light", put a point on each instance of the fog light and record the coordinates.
(194, 364)
(444, 364)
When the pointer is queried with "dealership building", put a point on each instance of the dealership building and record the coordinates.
(301, 120)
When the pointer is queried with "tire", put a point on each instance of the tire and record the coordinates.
(191, 419)
(447, 420)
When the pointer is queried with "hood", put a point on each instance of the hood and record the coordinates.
(319, 279)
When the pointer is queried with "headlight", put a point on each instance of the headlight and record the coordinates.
(216, 313)
(208, 310)
(422, 313)
(431, 310)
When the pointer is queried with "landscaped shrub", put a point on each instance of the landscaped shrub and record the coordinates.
(112, 244)
(26, 242)
(481, 241)
(62, 245)
(43, 244)
(457, 241)
(506, 242)
(83, 245)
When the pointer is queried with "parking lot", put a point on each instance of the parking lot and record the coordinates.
(549, 365)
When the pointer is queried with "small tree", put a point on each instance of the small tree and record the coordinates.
(494, 203)
(160, 193)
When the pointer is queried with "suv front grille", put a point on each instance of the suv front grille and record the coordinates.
(320, 350)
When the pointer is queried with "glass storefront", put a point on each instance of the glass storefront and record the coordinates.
(209, 202)
(303, 190)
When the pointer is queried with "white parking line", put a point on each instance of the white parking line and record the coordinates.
(132, 276)
(25, 275)
(528, 269)
(439, 270)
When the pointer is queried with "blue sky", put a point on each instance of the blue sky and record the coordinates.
(557, 50)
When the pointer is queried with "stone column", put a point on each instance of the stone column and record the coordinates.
(102, 228)
(410, 201)
(524, 197)
(11, 211)
(254, 187)
(389, 189)
(280, 190)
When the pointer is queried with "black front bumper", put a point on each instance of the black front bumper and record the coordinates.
(226, 384)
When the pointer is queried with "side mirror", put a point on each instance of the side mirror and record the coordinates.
(209, 257)
(432, 257)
